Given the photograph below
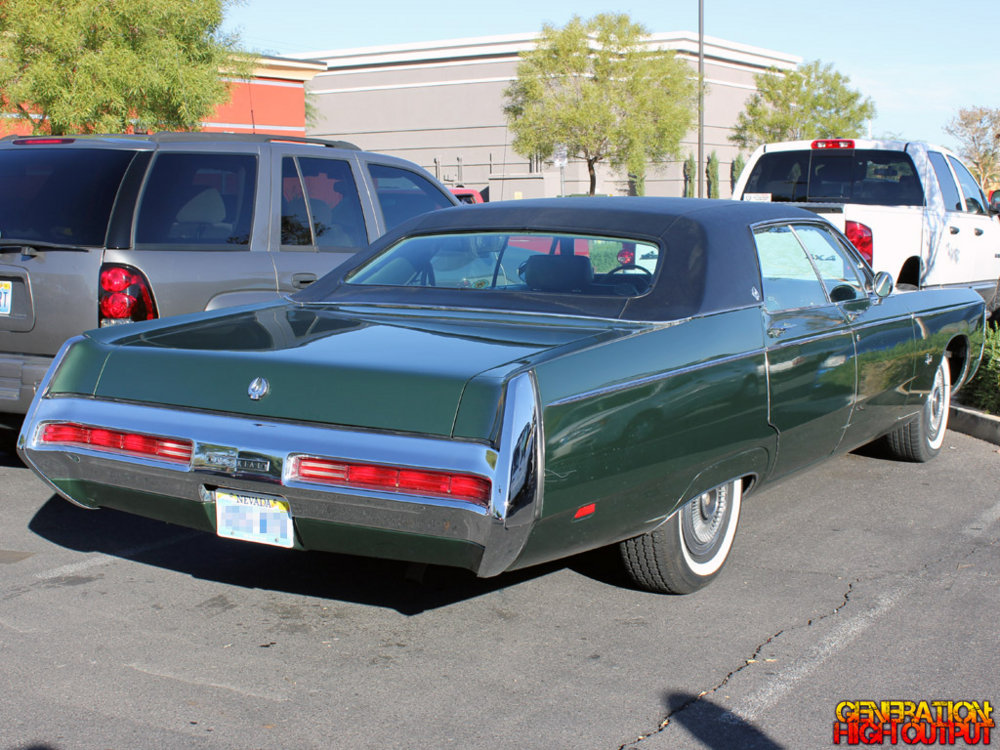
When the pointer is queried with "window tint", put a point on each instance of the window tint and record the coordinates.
(975, 201)
(320, 205)
(782, 174)
(404, 194)
(837, 268)
(952, 198)
(789, 278)
(200, 201)
(564, 264)
(867, 176)
(57, 194)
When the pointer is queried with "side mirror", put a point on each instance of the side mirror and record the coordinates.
(995, 202)
(883, 284)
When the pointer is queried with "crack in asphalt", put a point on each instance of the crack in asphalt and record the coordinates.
(922, 570)
(753, 659)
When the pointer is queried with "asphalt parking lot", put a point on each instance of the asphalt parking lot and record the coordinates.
(864, 579)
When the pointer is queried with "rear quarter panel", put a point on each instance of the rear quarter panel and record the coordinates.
(946, 320)
(642, 423)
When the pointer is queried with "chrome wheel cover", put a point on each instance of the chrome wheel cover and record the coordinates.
(936, 405)
(704, 521)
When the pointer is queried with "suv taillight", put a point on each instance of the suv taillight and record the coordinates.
(123, 296)
(860, 236)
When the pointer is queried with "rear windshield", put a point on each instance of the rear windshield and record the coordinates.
(873, 177)
(540, 263)
(58, 194)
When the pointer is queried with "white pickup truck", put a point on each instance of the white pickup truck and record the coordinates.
(912, 209)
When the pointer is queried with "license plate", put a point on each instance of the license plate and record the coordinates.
(6, 295)
(253, 518)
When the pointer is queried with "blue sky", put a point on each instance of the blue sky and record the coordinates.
(919, 61)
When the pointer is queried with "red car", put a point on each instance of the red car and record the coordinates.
(468, 195)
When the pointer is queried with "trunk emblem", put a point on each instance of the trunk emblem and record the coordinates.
(258, 389)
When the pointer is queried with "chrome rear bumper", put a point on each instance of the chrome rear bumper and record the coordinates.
(253, 455)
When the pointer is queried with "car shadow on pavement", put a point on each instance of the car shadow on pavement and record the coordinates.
(405, 587)
(714, 726)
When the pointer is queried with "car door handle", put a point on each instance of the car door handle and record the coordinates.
(953, 230)
(776, 331)
(302, 280)
(979, 232)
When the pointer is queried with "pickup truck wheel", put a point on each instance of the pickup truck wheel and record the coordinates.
(687, 552)
(921, 438)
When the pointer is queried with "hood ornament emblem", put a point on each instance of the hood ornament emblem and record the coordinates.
(258, 389)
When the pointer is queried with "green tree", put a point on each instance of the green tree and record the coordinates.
(78, 66)
(736, 169)
(690, 170)
(977, 130)
(597, 88)
(712, 175)
(813, 101)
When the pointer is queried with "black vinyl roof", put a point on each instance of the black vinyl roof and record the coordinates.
(710, 260)
(625, 217)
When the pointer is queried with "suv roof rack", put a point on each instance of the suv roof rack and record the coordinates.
(166, 136)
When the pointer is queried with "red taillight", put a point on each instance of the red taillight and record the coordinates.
(123, 295)
(860, 236)
(833, 143)
(468, 487)
(116, 441)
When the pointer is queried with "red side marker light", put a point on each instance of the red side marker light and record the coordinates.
(584, 511)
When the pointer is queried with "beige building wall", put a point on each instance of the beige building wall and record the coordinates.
(440, 105)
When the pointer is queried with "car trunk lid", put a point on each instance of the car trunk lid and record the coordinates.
(383, 371)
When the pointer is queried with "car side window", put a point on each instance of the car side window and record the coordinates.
(952, 198)
(789, 278)
(836, 267)
(403, 194)
(198, 200)
(319, 205)
(975, 201)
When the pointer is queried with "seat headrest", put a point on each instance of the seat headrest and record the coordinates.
(206, 207)
(558, 273)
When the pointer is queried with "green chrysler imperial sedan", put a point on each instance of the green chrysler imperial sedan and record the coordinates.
(500, 385)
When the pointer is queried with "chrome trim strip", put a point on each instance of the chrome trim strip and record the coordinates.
(647, 379)
(517, 504)
(252, 455)
(847, 331)
(357, 308)
(40, 394)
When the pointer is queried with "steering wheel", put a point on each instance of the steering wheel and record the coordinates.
(520, 270)
(630, 267)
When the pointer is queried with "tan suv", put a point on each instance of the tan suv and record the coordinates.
(103, 230)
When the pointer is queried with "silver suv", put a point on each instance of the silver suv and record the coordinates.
(102, 230)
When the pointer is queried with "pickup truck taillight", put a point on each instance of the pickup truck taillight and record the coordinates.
(123, 295)
(860, 236)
